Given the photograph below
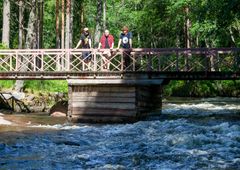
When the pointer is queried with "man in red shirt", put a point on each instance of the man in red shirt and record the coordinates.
(106, 42)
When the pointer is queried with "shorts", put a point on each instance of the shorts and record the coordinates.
(107, 54)
(86, 55)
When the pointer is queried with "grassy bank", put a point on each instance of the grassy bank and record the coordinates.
(225, 88)
(174, 88)
(33, 86)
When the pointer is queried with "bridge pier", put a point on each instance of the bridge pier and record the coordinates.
(113, 100)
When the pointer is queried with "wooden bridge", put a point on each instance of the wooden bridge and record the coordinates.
(124, 92)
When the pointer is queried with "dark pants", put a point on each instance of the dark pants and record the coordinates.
(126, 59)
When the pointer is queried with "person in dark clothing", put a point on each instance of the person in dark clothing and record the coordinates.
(106, 42)
(86, 43)
(125, 42)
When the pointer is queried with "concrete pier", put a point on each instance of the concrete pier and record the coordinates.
(113, 100)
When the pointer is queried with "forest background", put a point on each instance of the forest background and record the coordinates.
(154, 24)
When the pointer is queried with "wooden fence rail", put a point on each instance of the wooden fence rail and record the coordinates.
(75, 61)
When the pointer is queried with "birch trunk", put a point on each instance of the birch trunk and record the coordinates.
(57, 25)
(30, 43)
(104, 14)
(98, 22)
(21, 15)
(68, 21)
(63, 25)
(6, 23)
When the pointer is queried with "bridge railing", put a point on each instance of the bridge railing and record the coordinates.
(136, 60)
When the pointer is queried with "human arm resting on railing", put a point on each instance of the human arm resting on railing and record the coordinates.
(79, 43)
(112, 46)
(130, 43)
(99, 45)
(90, 43)
(119, 43)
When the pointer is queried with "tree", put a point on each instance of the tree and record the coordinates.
(57, 25)
(21, 24)
(98, 22)
(63, 25)
(6, 23)
(31, 41)
(68, 24)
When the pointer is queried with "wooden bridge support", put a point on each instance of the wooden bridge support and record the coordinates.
(113, 101)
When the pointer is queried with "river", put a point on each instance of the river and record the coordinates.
(190, 134)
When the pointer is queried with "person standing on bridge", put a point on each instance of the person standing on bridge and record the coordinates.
(106, 42)
(86, 42)
(126, 42)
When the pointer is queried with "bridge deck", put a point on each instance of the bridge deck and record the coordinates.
(179, 64)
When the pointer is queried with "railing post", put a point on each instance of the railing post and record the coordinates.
(122, 61)
(237, 60)
(34, 62)
(11, 65)
(177, 61)
(159, 63)
(42, 60)
(16, 69)
(149, 66)
(68, 59)
(206, 61)
(95, 60)
(134, 61)
(187, 60)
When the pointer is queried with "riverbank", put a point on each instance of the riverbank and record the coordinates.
(27, 121)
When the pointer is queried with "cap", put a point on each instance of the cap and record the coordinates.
(85, 29)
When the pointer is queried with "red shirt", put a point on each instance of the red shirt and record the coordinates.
(110, 40)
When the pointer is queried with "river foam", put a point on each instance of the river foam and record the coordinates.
(188, 136)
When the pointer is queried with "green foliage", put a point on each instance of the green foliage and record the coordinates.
(202, 88)
(37, 85)
(3, 46)
(47, 85)
(6, 84)
(155, 24)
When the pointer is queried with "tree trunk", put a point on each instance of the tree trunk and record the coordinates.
(187, 28)
(57, 25)
(68, 22)
(82, 14)
(6, 23)
(21, 16)
(30, 42)
(187, 37)
(232, 36)
(98, 22)
(71, 25)
(104, 14)
(63, 25)
(40, 23)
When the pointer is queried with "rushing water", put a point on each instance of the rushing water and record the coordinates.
(199, 134)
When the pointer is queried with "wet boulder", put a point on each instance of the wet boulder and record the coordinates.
(60, 109)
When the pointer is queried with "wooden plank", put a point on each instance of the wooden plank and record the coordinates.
(103, 99)
(103, 119)
(130, 82)
(103, 89)
(103, 94)
(104, 105)
(103, 112)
